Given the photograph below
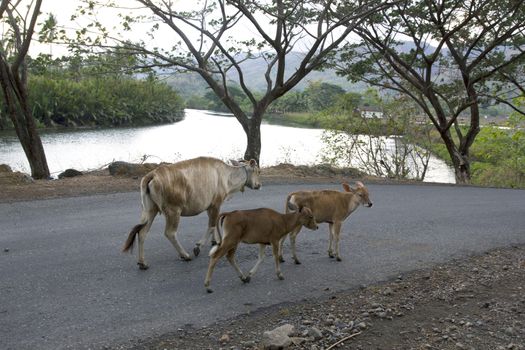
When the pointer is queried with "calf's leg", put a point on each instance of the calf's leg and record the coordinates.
(213, 214)
(337, 235)
(231, 258)
(275, 249)
(214, 258)
(262, 248)
(330, 240)
(293, 234)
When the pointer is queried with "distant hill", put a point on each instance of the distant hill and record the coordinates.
(188, 84)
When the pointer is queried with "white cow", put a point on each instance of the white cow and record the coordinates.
(188, 188)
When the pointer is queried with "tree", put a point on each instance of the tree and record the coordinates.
(382, 146)
(450, 57)
(18, 33)
(210, 39)
(322, 95)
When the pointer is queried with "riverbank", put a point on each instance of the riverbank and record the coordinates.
(17, 186)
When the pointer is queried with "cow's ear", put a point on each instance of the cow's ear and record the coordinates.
(234, 162)
(253, 163)
(347, 187)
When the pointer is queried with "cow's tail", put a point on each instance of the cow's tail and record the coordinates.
(220, 222)
(147, 207)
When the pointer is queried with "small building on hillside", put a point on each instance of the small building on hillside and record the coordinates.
(370, 112)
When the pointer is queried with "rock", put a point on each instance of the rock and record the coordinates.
(14, 178)
(129, 169)
(388, 291)
(224, 338)
(361, 325)
(298, 340)
(4, 168)
(278, 338)
(315, 333)
(70, 173)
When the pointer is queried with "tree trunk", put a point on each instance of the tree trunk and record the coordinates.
(460, 159)
(253, 136)
(25, 128)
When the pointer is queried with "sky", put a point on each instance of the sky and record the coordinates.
(63, 10)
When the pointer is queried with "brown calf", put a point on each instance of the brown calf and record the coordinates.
(188, 188)
(263, 226)
(332, 207)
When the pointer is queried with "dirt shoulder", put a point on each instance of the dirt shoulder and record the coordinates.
(19, 187)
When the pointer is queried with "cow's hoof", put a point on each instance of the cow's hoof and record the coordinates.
(339, 259)
(246, 279)
(143, 266)
(331, 255)
(297, 262)
(186, 258)
(196, 251)
(281, 259)
(280, 276)
(209, 290)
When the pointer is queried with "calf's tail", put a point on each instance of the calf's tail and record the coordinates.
(220, 222)
(289, 206)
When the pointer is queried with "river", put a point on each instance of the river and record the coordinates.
(200, 133)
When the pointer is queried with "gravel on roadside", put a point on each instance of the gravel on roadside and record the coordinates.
(475, 303)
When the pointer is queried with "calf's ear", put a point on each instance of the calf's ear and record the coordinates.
(234, 162)
(359, 184)
(347, 187)
(253, 163)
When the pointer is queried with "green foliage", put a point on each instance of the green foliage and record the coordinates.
(384, 146)
(102, 102)
(498, 155)
(97, 91)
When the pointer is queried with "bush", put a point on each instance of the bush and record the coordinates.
(107, 101)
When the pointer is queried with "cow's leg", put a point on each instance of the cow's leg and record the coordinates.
(262, 248)
(150, 216)
(337, 235)
(275, 249)
(213, 214)
(293, 236)
(214, 258)
(172, 223)
(231, 258)
(330, 240)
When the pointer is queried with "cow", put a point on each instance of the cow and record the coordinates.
(188, 188)
(332, 207)
(263, 226)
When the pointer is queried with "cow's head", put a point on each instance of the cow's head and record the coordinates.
(253, 179)
(360, 191)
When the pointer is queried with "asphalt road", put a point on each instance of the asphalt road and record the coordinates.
(64, 284)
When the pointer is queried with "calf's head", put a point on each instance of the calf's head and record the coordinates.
(360, 191)
(307, 219)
